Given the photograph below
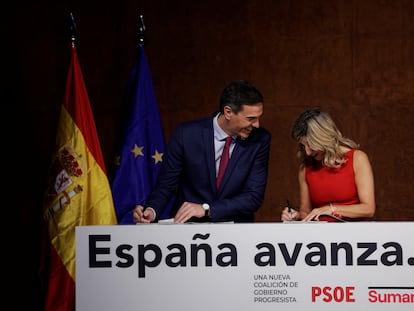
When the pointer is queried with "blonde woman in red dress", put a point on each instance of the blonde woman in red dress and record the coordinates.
(335, 176)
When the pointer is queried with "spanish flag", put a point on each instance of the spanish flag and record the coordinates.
(78, 191)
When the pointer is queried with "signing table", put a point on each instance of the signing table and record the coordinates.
(244, 267)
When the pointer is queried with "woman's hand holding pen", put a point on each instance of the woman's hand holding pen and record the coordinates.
(288, 213)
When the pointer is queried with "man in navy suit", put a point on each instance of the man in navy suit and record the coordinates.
(191, 162)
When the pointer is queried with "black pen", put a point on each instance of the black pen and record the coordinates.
(289, 208)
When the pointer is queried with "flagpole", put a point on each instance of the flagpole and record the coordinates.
(72, 28)
(141, 30)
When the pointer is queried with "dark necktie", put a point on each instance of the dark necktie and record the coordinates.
(223, 161)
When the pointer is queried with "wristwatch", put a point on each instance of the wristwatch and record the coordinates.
(206, 209)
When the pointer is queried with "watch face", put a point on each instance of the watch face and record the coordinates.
(206, 208)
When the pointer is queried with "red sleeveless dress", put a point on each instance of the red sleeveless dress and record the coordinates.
(335, 185)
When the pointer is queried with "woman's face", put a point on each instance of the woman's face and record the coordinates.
(317, 155)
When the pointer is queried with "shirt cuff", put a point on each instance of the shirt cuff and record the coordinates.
(153, 210)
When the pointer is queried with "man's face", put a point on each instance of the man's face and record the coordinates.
(242, 123)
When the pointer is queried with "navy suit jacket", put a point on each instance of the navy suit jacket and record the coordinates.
(188, 171)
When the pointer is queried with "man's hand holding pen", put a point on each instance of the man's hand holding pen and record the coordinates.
(142, 215)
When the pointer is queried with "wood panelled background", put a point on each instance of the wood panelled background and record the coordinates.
(353, 58)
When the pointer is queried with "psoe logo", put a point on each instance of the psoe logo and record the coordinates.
(333, 294)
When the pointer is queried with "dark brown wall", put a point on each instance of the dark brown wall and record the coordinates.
(354, 58)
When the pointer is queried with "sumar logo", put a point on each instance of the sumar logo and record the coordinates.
(388, 295)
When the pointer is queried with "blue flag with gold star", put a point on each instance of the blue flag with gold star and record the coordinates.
(143, 143)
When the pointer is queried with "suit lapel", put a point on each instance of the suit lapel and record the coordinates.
(208, 140)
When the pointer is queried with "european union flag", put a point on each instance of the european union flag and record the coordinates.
(143, 144)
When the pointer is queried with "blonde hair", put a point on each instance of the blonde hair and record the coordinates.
(323, 135)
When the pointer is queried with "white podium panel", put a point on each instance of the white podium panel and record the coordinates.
(245, 267)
